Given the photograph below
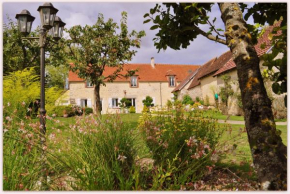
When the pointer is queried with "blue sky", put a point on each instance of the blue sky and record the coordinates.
(77, 13)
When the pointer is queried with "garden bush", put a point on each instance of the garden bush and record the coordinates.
(187, 100)
(182, 145)
(22, 164)
(88, 110)
(132, 109)
(148, 101)
(100, 153)
(21, 88)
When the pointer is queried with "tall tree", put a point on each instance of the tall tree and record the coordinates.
(19, 54)
(92, 48)
(179, 24)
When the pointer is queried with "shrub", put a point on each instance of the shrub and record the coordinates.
(169, 104)
(181, 145)
(197, 99)
(101, 153)
(21, 88)
(187, 100)
(132, 109)
(88, 110)
(124, 103)
(22, 153)
(148, 101)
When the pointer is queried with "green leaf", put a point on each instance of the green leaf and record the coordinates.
(219, 29)
(214, 20)
(146, 21)
(154, 27)
(146, 15)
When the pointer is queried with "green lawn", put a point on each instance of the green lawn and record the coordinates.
(242, 152)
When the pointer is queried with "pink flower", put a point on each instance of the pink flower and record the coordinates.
(44, 147)
(54, 115)
(23, 103)
(8, 104)
(121, 158)
(8, 118)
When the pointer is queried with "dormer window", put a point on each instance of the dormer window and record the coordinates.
(171, 81)
(89, 84)
(133, 82)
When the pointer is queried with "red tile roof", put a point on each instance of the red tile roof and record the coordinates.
(262, 40)
(147, 73)
(202, 70)
(185, 81)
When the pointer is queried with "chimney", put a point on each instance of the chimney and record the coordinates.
(152, 62)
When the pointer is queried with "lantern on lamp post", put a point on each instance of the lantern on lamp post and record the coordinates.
(49, 20)
(25, 21)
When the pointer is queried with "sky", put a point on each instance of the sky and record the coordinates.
(79, 13)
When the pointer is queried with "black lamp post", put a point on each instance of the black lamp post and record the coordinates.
(49, 20)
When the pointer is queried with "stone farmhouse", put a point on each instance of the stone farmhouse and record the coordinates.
(206, 81)
(154, 80)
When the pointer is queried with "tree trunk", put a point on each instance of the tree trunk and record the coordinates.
(268, 152)
(98, 99)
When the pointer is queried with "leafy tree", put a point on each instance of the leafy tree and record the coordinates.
(227, 90)
(93, 48)
(187, 100)
(19, 54)
(278, 37)
(148, 101)
(56, 75)
(179, 24)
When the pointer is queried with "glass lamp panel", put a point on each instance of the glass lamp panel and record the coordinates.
(60, 31)
(29, 25)
(52, 17)
(45, 13)
(22, 21)
(56, 30)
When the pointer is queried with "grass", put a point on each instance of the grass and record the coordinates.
(242, 152)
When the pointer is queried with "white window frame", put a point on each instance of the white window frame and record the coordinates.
(133, 81)
(171, 81)
(115, 103)
(83, 103)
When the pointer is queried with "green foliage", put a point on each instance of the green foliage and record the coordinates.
(56, 75)
(124, 103)
(88, 110)
(18, 55)
(226, 91)
(277, 12)
(21, 156)
(169, 104)
(148, 101)
(70, 111)
(180, 145)
(187, 100)
(197, 99)
(132, 109)
(101, 154)
(100, 46)
(145, 109)
(21, 88)
(179, 21)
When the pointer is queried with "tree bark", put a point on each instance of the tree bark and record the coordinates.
(98, 99)
(268, 152)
